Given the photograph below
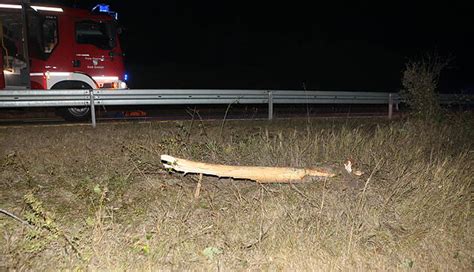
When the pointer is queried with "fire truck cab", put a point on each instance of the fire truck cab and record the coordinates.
(46, 47)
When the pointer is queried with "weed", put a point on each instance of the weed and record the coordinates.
(46, 231)
(119, 208)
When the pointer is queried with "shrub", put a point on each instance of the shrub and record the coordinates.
(420, 83)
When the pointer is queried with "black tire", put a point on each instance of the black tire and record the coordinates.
(74, 114)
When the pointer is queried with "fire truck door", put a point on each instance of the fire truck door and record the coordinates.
(94, 40)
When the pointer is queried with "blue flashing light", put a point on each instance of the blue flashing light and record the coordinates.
(125, 77)
(103, 8)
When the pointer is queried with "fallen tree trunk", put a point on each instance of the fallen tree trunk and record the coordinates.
(255, 173)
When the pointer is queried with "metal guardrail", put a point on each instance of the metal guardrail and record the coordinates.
(332, 97)
(52, 98)
(177, 97)
(44, 98)
(92, 98)
(456, 99)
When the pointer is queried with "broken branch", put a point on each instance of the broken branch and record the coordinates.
(255, 173)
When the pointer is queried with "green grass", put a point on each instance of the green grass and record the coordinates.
(100, 199)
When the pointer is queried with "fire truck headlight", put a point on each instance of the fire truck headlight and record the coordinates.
(123, 85)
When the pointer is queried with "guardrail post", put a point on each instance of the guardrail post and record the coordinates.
(390, 106)
(270, 105)
(91, 93)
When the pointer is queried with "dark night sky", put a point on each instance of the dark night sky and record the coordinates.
(333, 45)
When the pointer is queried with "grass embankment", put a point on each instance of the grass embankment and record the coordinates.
(99, 198)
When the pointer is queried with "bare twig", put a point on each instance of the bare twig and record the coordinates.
(225, 116)
(376, 168)
(7, 213)
(192, 113)
(307, 107)
(198, 187)
(303, 195)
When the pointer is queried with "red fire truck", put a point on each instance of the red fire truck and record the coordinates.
(46, 47)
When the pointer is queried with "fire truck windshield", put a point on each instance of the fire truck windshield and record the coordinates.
(101, 34)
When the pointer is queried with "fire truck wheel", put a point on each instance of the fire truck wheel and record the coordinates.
(73, 113)
(77, 114)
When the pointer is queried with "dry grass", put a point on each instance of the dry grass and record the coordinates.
(100, 200)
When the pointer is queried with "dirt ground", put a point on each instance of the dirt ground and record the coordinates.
(100, 199)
